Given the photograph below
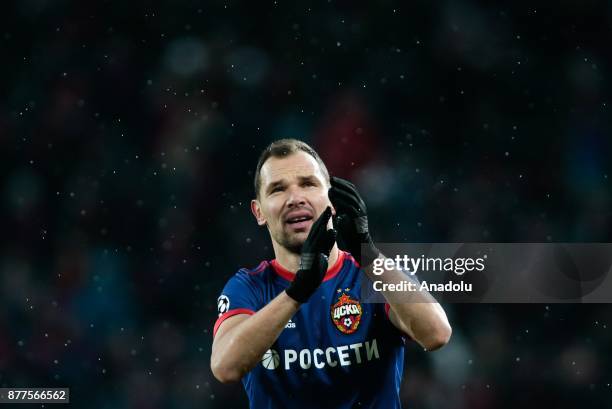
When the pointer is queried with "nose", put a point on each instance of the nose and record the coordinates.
(295, 198)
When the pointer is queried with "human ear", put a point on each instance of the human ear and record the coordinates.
(256, 210)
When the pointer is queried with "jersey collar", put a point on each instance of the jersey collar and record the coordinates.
(331, 272)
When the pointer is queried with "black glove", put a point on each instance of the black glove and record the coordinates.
(313, 262)
(352, 221)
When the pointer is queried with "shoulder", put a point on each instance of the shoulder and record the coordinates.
(251, 276)
(244, 293)
(255, 274)
(256, 271)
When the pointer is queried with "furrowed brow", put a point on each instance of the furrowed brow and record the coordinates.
(309, 178)
(274, 184)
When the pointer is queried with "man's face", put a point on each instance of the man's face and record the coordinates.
(292, 196)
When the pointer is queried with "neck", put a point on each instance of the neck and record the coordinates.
(291, 261)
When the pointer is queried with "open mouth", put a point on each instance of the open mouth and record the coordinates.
(299, 222)
(299, 219)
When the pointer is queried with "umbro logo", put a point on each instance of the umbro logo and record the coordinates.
(290, 324)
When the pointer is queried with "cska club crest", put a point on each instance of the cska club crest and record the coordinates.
(346, 314)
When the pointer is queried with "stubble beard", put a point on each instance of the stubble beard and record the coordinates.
(292, 242)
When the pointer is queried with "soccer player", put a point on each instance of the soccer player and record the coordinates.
(294, 329)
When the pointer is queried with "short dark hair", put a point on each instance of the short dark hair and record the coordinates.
(282, 148)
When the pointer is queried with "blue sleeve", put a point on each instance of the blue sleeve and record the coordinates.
(241, 295)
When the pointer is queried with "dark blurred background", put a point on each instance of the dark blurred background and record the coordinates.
(130, 133)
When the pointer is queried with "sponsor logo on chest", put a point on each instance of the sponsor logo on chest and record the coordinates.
(344, 355)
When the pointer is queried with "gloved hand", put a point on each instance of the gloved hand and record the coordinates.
(352, 221)
(313, 262)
